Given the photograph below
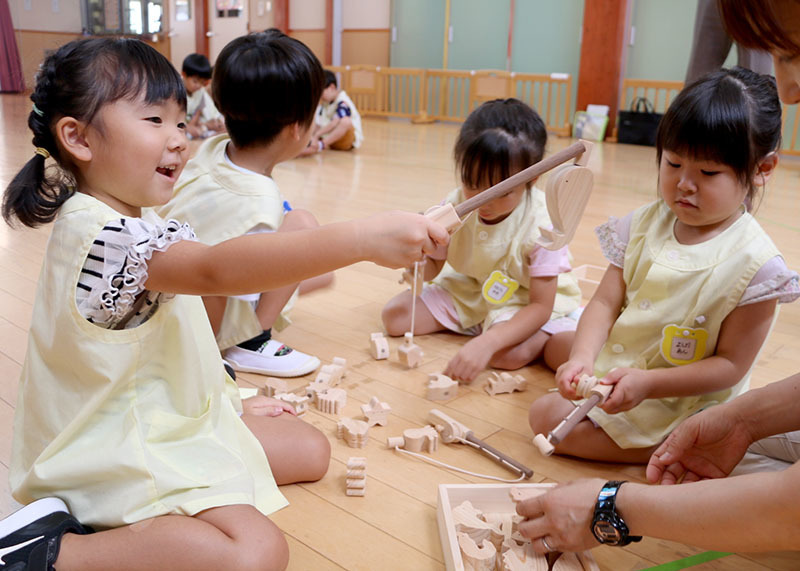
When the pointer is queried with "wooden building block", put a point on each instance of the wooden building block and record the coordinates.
(353, 432)
(356, 480)
(275, 386)
(421, 439)
(409, 353)
(331, 401)
(441, 387)
(376, 412)
(300, 403)
(477, 558)
(505, 383)
(332, 373)
(378, 346)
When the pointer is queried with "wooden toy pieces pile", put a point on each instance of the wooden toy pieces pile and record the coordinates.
(491, 541)
(321, 391)
(356, 481)
(354, 432)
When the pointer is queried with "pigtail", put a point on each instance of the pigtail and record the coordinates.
(34, 196)
(37, 192)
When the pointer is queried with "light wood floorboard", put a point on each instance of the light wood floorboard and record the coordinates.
(406, 167)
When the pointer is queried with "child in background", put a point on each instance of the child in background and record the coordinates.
(337, 123)
(498, 139)
(125, 413)
(227, 189)
(203, 119)
(693, 283)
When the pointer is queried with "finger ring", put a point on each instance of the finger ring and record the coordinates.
(547, 545)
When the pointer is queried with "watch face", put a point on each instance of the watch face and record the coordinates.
(605, 532)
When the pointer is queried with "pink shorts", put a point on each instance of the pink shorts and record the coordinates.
(440, 304)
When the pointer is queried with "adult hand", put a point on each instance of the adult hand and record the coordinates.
(563, 516)
(708, 444)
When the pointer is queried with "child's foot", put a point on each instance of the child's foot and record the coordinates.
(273, 358)
(31, 537)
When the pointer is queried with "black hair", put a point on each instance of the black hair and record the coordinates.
(264, 82)
(196, 65)
(498, 139)
(730, 116)
(77, 80)
(755, 24)
(330, 79)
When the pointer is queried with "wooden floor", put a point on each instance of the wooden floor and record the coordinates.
(406, 167)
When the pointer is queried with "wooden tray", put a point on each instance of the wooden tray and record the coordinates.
(487, 498)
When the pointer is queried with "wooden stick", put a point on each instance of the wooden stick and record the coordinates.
(523, 176)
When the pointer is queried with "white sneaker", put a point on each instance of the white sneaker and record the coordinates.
(273, 358)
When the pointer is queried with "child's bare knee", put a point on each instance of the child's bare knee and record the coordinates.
(317, 456)
(268, 551)
(541, 412)
(395, 317)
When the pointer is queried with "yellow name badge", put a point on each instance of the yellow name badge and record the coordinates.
(498, 288)
(683, 345)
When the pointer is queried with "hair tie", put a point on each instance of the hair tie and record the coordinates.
(38, 111)
(41, 151)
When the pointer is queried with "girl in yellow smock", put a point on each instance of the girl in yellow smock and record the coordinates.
(494, 282)
(126, 420)
(693, 283)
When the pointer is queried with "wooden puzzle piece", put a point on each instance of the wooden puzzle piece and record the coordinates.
(376, 412)
(333, 373)
(378, 346)
(331, 401)
(441, 387)
(356, 479)
(476, 558)
(567, 192)
(275, 386)
(416, 440)
(300, 403)
(410, 353)
(316, 387)
(353, 432)
(503, 382)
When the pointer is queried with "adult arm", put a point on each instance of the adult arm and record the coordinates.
(710, 444)
(754, 512)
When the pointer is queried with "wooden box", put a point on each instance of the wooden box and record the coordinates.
(488, 498)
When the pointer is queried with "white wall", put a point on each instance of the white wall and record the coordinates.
(306, 14)
(41, 16)
(366, 14)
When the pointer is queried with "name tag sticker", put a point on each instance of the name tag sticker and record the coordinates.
(683, 345)
(498, 288)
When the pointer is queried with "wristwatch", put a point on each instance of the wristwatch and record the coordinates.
(607, 525)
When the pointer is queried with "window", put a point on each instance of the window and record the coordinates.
(123, 16)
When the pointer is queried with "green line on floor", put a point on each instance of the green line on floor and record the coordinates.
(689, 561)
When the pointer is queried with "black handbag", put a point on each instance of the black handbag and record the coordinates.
(639, 125)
